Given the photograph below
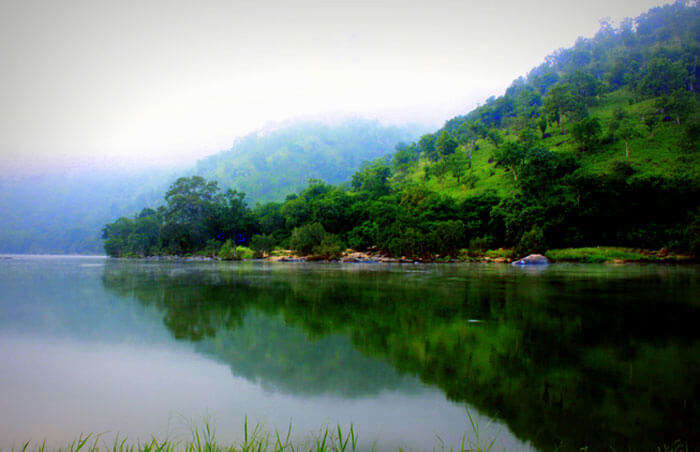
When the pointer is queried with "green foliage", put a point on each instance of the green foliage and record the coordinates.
(662, 77)
(263, 243)
(271, 164)
(490, 173)
(587, 132)
(228, 251)
(604, 254)
(445, 144)
(512, 155)
(373, 178)
(243, 252)
(330, 247)
(532, 241)
(426, 146)
(478, 245)
(527, 136)
(305, 238)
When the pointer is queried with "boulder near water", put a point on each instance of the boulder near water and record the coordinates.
(532, 259)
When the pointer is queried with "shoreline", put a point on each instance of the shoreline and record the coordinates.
(593, 255)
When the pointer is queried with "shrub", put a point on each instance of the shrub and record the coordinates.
(305, 238)
(500, 252)
(363, 236)
(532, 242)
(227, 251)
(477, 245)
(587, 132)
(243, 252)
(211, 248)
(330, 248)
(264, 243)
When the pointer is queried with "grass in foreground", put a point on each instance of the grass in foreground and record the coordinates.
(258, 440)
(254, 440)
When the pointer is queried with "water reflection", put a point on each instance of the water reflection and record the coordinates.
(600, 356)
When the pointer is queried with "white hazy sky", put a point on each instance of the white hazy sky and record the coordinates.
(135, 83)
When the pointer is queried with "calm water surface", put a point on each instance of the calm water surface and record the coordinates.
(545, 359)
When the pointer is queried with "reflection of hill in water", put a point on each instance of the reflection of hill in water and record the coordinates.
(235, 322)
(572, 356)
(281, 357)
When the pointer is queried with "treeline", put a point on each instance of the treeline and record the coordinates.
(556, 131)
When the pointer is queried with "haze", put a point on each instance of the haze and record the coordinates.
(130, 83)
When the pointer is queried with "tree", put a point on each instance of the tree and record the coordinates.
(495, 136)
(651, 121)
(527, 136)
(426, 145)
(542, 124)
(587, 132)
(263, 243)
(231, 218)
(558, 101)
(306, 238)
(189, 208)
(457, 164)
(469, 132)
(446, 144)
(662, 77)
(584, 85)
(405, 156)
(627, 132)
(373, 178)
(512, 156)
(679, 104)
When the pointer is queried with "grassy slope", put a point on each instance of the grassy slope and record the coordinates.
(659, 155)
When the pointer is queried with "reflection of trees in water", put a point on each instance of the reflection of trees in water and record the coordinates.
(600, 357)
(237, 322)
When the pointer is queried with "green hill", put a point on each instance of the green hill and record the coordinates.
(596, 146)
(269, 165)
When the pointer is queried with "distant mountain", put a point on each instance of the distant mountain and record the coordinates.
(268, 165)
(64, 214)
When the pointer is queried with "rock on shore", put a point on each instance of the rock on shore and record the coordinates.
(532, 259)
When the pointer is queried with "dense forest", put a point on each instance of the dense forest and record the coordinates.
(596, 146)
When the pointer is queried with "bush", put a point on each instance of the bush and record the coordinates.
(330, 248)
(264, 243)
(364, 236)
(622, 169)
(478, 245)
(243, 252)
(532, 242)
(500, 252)
(227, 251)
(587, 133)
(211, 248)
(305, 238)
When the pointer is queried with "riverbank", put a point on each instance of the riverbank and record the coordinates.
(588, 255)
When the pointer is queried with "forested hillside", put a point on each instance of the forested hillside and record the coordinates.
(268, 165)
(596, 146)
